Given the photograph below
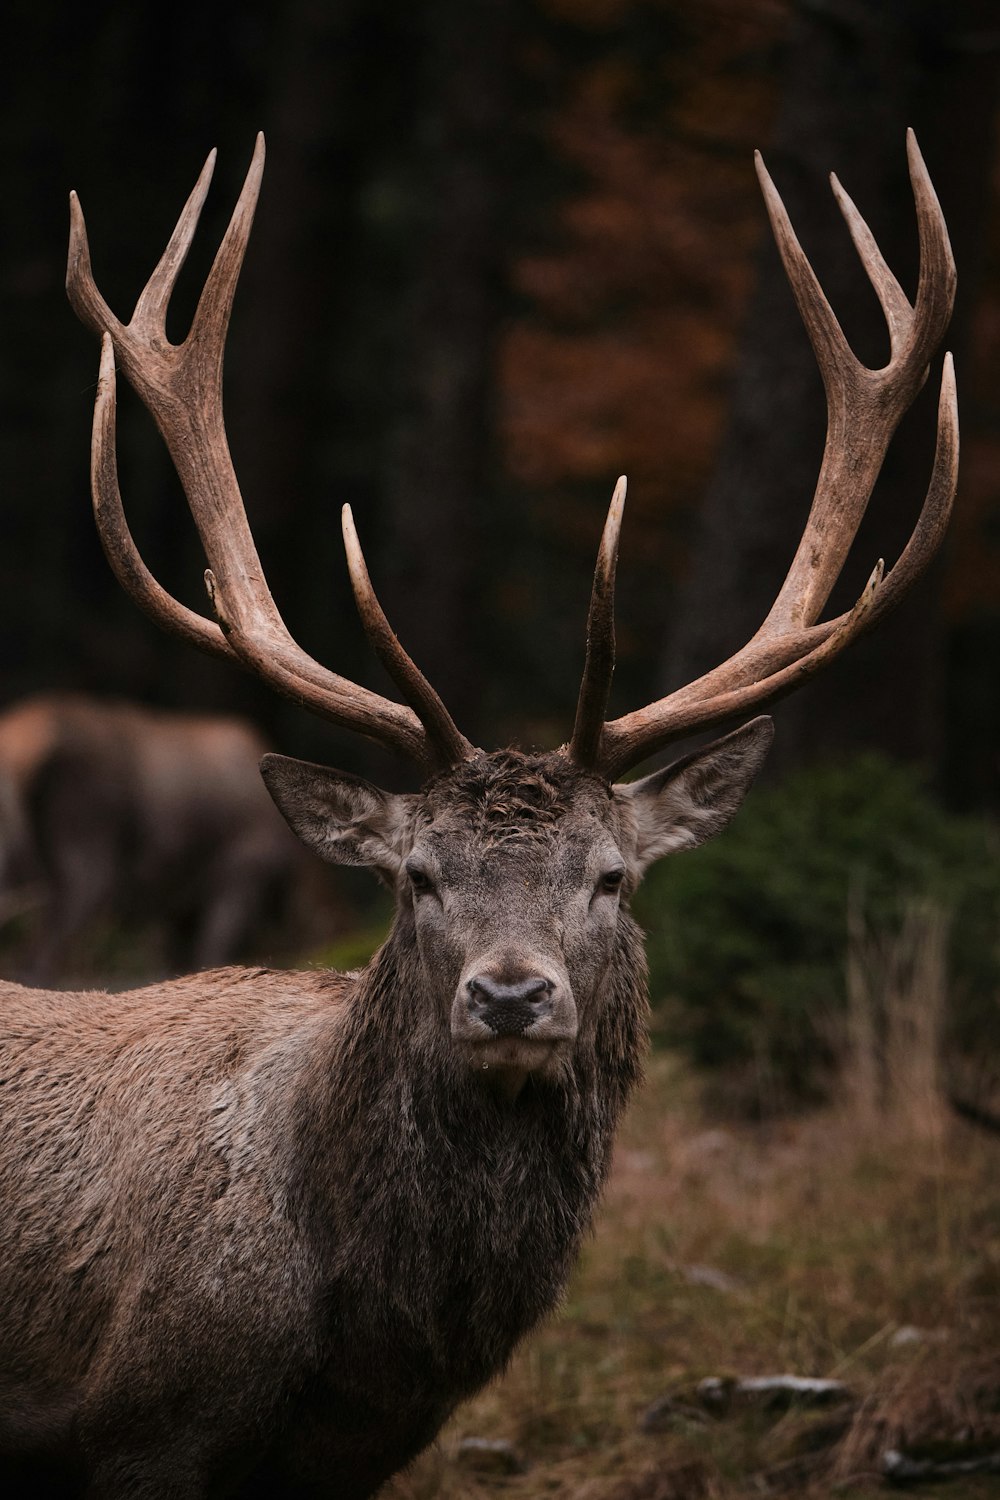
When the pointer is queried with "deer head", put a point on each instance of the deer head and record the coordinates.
(512, 868)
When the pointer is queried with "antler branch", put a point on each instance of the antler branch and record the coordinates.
(181, 385)
(864, 407)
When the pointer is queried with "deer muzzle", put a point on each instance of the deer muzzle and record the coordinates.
(514, 1014)
(509, 1008)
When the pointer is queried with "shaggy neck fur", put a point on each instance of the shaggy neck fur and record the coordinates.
(456, 1213)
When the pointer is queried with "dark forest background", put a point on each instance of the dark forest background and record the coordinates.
(505, 251)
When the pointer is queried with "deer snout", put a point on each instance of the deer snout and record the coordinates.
(514, 1012)
(509, 1007)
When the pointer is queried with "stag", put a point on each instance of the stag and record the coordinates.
(157, 816)
(263, 1231)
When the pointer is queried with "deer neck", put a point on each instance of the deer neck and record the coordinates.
(434, 1186)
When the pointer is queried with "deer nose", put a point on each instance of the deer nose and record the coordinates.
(509, 1007)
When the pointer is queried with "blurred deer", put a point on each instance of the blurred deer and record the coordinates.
(114, 808)
(263, 1231)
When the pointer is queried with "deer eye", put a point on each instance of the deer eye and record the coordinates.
(420, 882)
(611, 882)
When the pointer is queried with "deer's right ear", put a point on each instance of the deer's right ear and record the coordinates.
(693, 800)
(344, 819)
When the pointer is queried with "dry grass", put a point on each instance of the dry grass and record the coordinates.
(858, 1245)
(897, 1001)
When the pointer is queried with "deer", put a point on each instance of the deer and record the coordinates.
(156, 815)
(264, 1231)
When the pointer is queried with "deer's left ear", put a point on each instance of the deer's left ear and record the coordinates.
(346, 821)
(692, 800)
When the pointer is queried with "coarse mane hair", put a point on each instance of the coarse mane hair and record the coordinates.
(511, 794)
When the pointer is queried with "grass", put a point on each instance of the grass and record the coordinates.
(817, 1246)
(861, 1244)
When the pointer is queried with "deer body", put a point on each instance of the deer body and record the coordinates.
(151, 814)
(261, 1232)
(289, 1212)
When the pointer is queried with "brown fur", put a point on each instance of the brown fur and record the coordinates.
(110, 807)
(262, 1231)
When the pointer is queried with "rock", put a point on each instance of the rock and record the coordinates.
(489, 1456)
(719, 1392)
(902, 1468)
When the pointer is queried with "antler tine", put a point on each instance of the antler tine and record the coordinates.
(85, 300)
(451, 745)
(599, 664)
(211, 319)
(864, 407)
(113, 529)
(181, 385)
(932, 523)
(825, 333)
(892, 299)
(151, 309)
(937, 279)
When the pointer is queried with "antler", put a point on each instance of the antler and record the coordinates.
(181, 385)
(864, 408)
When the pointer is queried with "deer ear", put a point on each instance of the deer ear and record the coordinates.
(692, 800)
(343, 819)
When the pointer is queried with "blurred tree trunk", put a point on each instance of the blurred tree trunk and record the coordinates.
(857, 73)
(443, 432)
(385, 135)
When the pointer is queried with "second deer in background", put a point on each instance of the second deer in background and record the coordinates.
(111, 809)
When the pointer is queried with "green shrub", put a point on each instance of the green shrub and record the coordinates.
(748, 935)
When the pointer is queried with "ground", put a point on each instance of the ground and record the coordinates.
(838, 1245)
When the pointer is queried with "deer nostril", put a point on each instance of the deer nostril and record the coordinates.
(509, 1007)
(519, 989)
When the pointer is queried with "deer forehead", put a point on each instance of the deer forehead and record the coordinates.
(516, 815)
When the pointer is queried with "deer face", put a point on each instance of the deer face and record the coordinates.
(514, 874)
(512, 870)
